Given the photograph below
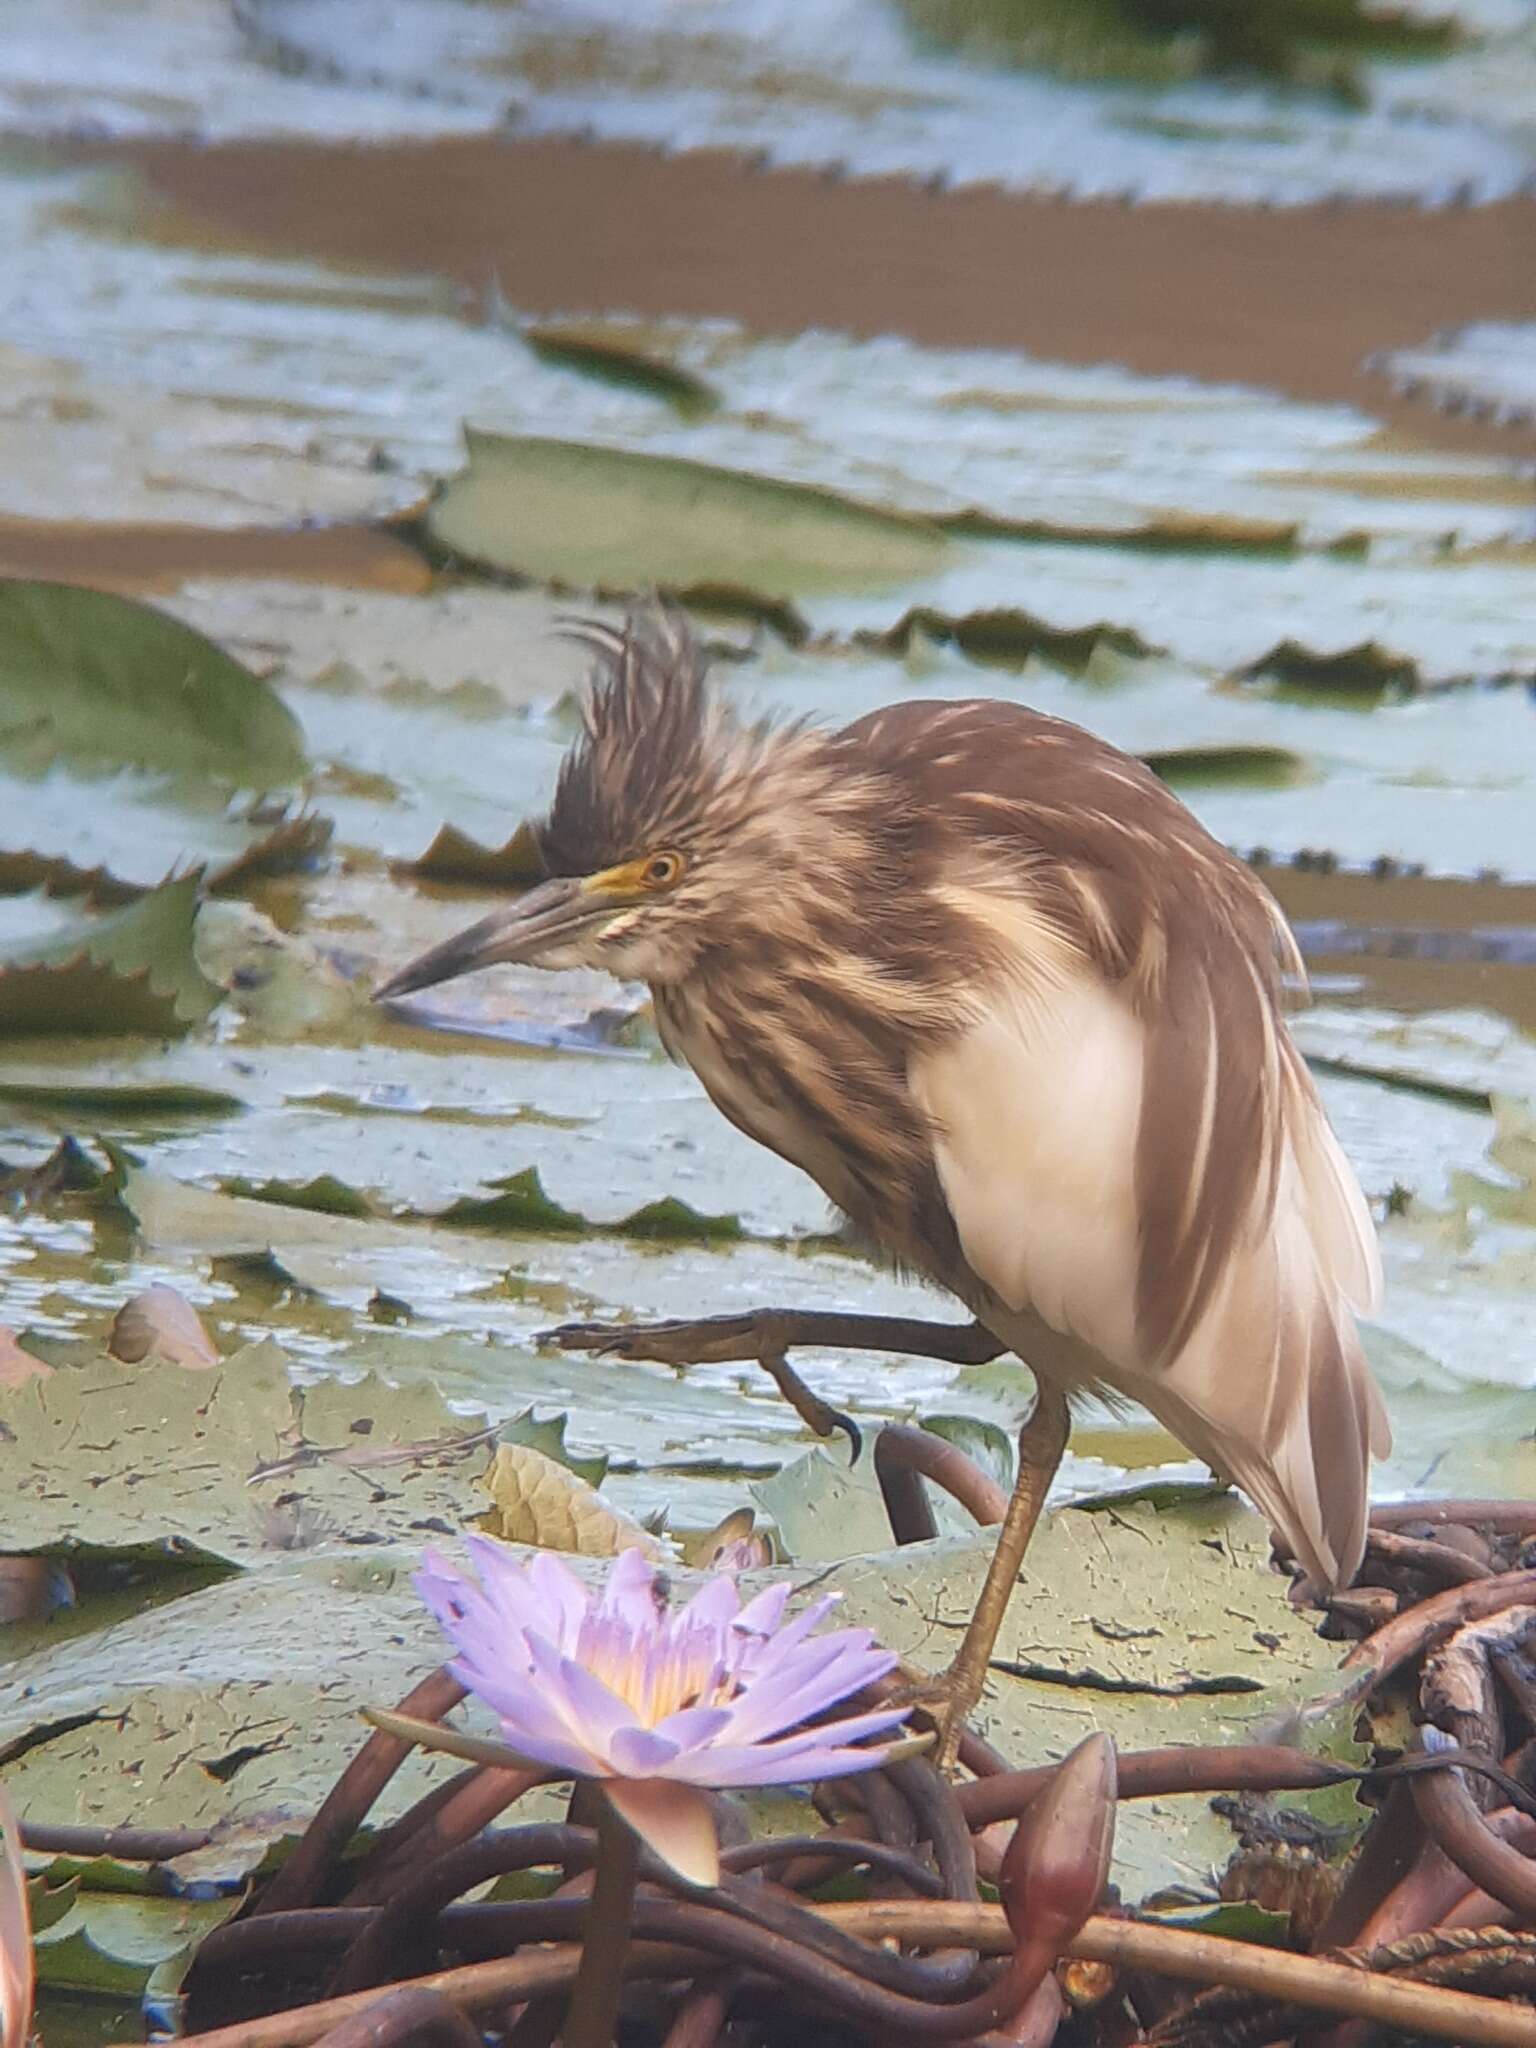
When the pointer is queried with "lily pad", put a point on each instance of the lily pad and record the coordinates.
(454, 857)
(103, 679)
(236, 1707)
(608, 518)
(110, 1454)
(119, 1944)
(130, 970)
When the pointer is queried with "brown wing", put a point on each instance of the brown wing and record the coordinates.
(1143, 1107)
(1166, 916)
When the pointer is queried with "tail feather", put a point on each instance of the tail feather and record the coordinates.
(1274, 1391)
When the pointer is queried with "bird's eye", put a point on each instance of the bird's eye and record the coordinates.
(662, 870)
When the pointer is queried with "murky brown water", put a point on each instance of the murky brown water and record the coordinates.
(1296, 298)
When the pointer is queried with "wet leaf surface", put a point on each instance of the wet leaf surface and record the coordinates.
(97, 677)
(599, 518)
(127, 970)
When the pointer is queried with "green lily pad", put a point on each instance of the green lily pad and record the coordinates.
(454, 856)
(1267, 767)
(234, 1709)
(101, 678)
(669, 1221)
(609, 518)
(982, 1440)
(120, 1101)
(616, 358)
(325, 1194)
(519, 1203)
(131, 970)
(238, 1462)
(116, 1944)
(48, 1904)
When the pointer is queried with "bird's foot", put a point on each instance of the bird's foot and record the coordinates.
(943, 1701)
(712, 1340)
(706, 1340)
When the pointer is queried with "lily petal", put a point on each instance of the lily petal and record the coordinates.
(630, 1591)
(762, 1615)
(641, 1753)
(694, 1727)
(716, 1603)
(674, 1820)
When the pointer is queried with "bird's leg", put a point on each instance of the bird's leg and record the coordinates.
(765, 1336)
(951, 1698)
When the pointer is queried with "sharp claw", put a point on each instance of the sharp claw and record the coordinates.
(855, 1437)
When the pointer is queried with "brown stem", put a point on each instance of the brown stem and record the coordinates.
(1412, 1632)
(123, 1845)
(1454, 1819)
(1510, 1517)
(703, 2011)
(394, 1934)
(594, 2011)
(904, 1457)
(1322, 1986)
(837, 1849)
(1450, 1567)
(305, 1874)
(1158, 1773)
(1435, 1892)
(421, 2018)
(481, 1796)
(388, 1842)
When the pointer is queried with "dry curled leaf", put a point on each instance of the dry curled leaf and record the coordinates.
(733, 1545)
(161, 1327)
(538, 1501)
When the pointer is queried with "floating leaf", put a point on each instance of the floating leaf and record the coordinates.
(23, 871)
(101, 678)
(1362, 674)
(539, 1501)
(126, 1944)
(985, 1443)
(600, 351)
(1005, 636)
(68, 1169)
(520, 1203)
(669, 1221)
(1239, 1920)
(1257, 766)
(294, 842)
(325, 1194)
(454, 857)
(120, 1099)
(132, 970)
(50, 1903)
(612, 519)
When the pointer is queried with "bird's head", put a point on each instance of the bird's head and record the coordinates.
(669, 821)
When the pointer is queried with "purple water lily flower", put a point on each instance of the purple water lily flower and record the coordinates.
(654, 1702)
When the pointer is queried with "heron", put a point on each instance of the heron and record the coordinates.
(985, 979)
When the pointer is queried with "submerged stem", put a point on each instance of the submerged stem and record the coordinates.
(595, 1996)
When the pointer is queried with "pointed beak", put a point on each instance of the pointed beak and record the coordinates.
(548, 916)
